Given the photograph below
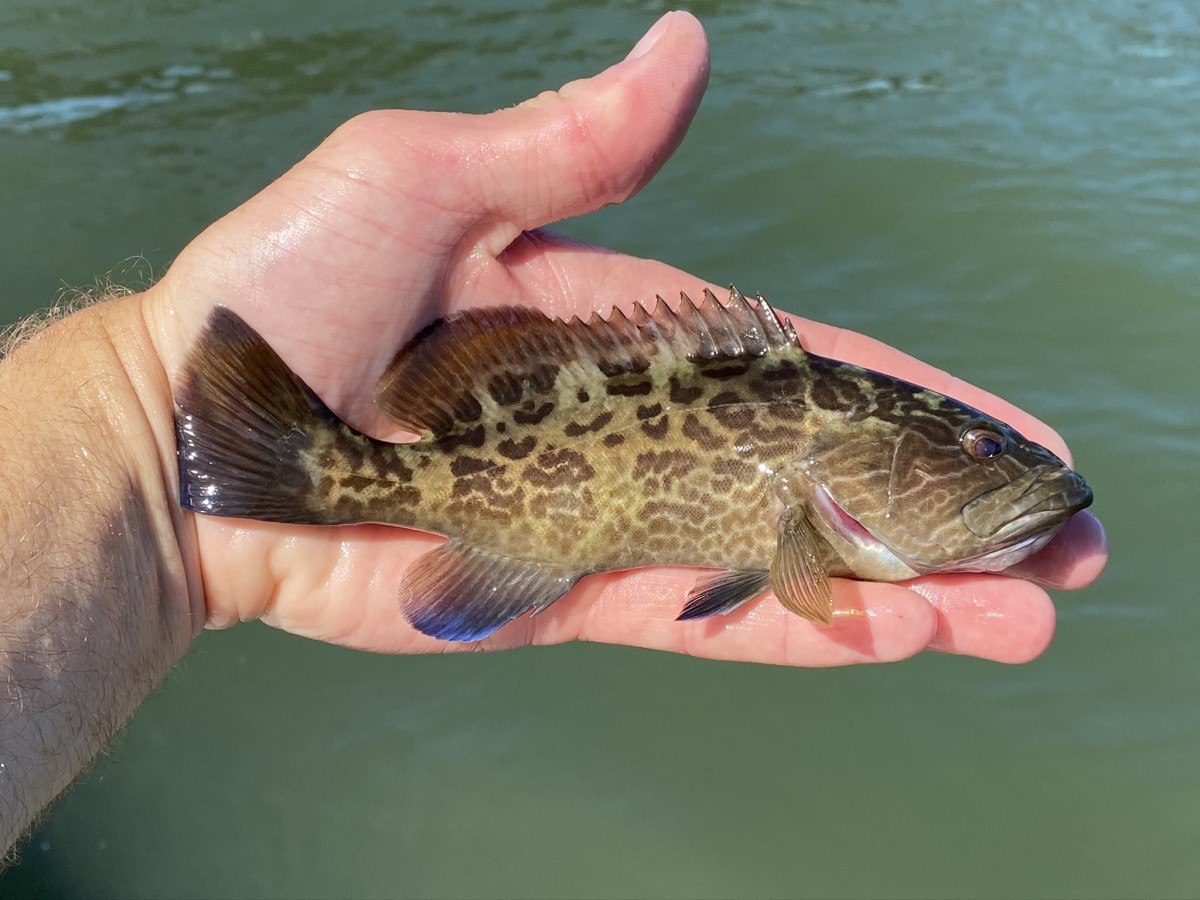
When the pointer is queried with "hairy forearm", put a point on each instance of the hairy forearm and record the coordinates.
(94, 601)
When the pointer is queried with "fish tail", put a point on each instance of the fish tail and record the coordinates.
(247, 427)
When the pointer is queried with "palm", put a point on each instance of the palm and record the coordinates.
(401, 216)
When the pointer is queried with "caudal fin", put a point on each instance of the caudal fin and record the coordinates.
(245, 426)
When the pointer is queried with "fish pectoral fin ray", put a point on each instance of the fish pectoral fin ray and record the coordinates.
(723, 593)
(797, 575)
(461, 593)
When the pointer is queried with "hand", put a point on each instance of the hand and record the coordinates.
(399, 217)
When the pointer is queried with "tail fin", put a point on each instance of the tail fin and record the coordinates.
(245, 426)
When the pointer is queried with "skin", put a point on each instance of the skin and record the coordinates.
(396, 218)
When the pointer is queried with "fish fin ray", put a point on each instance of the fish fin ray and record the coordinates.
(462, 593)
(243, 423)
(438, 379)
(797, 575)
(441, 380)
(723, 593)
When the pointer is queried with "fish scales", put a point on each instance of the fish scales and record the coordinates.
(703, 436)
(555, 472)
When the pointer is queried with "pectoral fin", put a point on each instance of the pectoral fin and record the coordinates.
(460, 593)
(798, 576)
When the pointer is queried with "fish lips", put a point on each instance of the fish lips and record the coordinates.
(1021, 517)
(1040, 500)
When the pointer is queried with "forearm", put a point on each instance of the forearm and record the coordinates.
(94, 602)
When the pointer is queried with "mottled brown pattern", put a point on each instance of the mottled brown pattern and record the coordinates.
(508, 387)
(660, 470)
(669, 437)
(666, 437)
(682, 392)
(352, 451)
(731, 410)
(614, 367)
(471, 437)
(559, 467)
(468, 408)
(469, 465)
(578, 429)
(657, 430)
(694, 430)
(725, 371)
(649, 411)
(823, 395)
(480, 485)
(529, 414)
(511, 449)
(475, 508)
(629, 388)
(355, 482)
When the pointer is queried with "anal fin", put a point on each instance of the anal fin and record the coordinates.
(723, 593)
(460, 593)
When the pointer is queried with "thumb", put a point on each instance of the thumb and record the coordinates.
(598, 140)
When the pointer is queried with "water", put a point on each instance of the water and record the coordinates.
(1007, 189)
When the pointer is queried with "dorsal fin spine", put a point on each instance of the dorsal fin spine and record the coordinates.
(777, 336)
(591, 337)
(626, 334)
(696, 328)
(751, 334)
(723, 325)
(438, 383)
(662, 323)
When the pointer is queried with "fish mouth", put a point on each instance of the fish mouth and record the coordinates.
(1016, 520)
(1040, 499)
(1021, 517)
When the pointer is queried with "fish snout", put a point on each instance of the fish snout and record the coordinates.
(1041, 498)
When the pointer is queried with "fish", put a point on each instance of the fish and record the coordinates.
(703, 435)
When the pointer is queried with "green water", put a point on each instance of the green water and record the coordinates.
(1010, 190)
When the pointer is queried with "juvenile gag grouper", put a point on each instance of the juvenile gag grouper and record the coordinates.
(701, 436)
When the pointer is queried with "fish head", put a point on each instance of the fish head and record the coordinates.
(933, 487)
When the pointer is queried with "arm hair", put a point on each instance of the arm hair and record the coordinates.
(94, 603)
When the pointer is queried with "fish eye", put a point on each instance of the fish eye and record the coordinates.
(983, 443)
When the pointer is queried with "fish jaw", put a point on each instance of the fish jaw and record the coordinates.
(1003, 557)
(1040, 501)
(1021, 517)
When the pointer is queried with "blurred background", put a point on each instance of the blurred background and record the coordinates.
(1009, 190)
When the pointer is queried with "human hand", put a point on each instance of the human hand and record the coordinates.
(400, 217)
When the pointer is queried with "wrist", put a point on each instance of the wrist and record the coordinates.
(139, 418)
(88, 436)
(94, 592)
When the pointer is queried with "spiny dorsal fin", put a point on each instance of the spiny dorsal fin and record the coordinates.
(451, 369)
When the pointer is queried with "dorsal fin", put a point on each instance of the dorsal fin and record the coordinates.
(451, 369)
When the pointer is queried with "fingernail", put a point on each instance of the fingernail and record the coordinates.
(650, 38)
